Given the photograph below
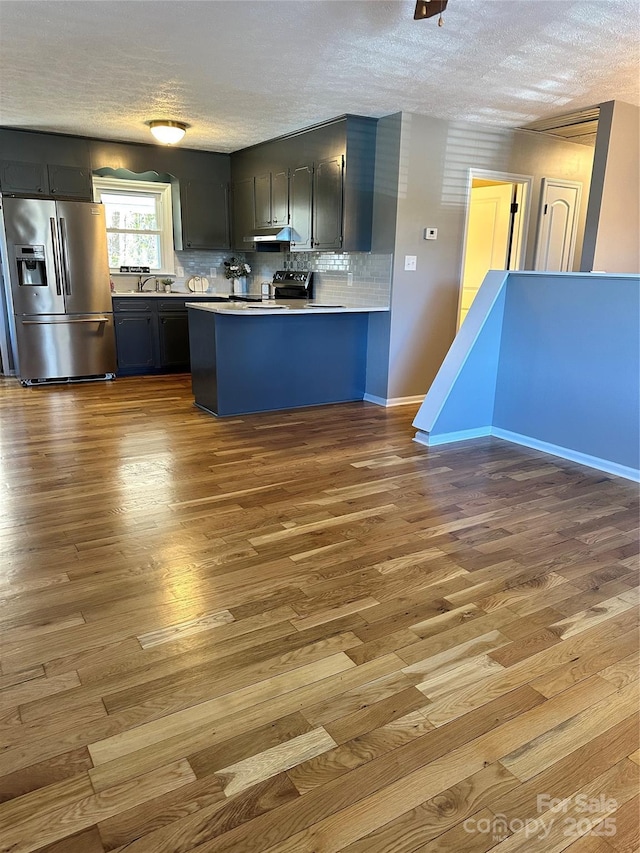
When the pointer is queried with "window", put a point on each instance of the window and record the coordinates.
(139, 223)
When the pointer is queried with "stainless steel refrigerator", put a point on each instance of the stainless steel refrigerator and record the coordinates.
(56, 275)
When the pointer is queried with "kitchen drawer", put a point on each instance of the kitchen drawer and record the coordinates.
(132, 303)
(174, 304)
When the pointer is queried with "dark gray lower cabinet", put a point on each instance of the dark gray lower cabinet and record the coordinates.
(135, 342)
(173, 334)
(152, 335)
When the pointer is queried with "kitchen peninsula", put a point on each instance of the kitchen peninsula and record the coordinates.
(280, 354)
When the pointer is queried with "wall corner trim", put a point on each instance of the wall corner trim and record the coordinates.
(449, 437)
(389, 402)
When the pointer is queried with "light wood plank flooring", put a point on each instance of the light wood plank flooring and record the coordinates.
(302, 632)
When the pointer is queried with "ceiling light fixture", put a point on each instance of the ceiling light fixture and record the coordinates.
(167, 132)
(429, 9)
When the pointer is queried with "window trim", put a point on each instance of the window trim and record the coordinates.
(164, 211)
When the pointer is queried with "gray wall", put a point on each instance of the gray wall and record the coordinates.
(434, 160)
(612, 233)
(383, 238)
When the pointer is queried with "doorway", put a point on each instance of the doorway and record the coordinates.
(497, 218)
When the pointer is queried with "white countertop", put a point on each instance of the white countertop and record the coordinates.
(283, 306)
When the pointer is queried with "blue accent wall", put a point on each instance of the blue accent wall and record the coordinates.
(550, 360)
(569, 364)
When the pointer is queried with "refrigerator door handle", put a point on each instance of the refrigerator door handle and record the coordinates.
(64, 322)
(65, 256)
(56, 254)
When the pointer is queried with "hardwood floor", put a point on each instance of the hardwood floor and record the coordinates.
(301, 632)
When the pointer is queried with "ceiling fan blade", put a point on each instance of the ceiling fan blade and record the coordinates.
(429, 8)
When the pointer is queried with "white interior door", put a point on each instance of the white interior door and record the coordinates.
(557, 225)
(487, 238)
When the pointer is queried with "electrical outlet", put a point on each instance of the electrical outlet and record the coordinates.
(213, 272)
(410, 262)
(180, 272)
(349, 279)
(430, 233)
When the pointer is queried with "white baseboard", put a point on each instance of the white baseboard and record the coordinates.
(526, 441)
(566, 453)
(448, 437)
(388, 402)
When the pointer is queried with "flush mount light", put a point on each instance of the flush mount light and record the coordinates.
(167, 132)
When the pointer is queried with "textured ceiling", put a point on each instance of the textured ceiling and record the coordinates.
(240, 72)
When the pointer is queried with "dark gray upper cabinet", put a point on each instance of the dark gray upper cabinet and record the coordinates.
(243, 217)
(205, 215)
(19, 177)
(271, 199)
(262, 200)
(330, 171)
(70, 182)
(300, 204)
(44, 164)
(280, 197)
(204, 196)
(40, 179)
(327, 204)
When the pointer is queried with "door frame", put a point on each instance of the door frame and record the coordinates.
(524, 184)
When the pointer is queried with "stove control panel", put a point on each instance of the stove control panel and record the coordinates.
(291, 277)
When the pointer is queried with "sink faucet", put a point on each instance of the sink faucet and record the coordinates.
(143, 281)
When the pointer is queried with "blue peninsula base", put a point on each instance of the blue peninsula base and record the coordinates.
(257, 363)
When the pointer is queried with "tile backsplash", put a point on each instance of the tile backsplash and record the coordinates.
(359, 278)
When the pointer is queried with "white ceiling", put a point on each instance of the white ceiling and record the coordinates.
(243, 71)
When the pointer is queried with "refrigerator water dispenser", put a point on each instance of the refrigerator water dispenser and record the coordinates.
(32, 269)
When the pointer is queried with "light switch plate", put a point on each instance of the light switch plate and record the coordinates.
(213, 272)
(410, 262)
(180, 272)
(430, 233)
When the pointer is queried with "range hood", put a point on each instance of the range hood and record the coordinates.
(277, 234)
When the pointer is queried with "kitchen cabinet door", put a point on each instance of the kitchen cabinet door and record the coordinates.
(327, 203)
(243, 212)
(19, 177)
(205, 215)
(262, 200)
(280, 198)
(300, 201)
(271, 199)
(70, 182)
(135, 342)
(173, 332)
